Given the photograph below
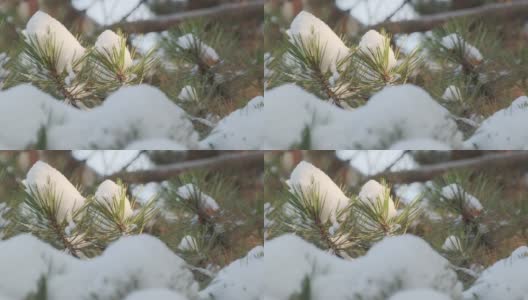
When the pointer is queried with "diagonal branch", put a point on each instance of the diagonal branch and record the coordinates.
(496, 11)
(514, 159)
(229, 11)
(241, 160)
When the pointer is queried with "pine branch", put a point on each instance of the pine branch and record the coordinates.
(240, 160)
(496, 11)
(229, 11)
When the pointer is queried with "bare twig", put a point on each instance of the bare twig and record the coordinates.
(489, 161)
(396, 10)
(493, 11)
(227, 11)
(245, 160)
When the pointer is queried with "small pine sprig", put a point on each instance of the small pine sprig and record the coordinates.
(37, 64)
(111, 221)
(39, 215)
(375, 221)
(353, 229)
(352, 80)
(113, 69)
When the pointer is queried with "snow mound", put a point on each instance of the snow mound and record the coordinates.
(109, 193)
(395, 113)
(189, 190)
(288, 117)
(241, 129)
(505, 129)
(131, 263)
(155, 144)
(372, 42)
(505, 280)
(24, 260)
(44, 27)
(109, 42)
(240, 280)
(308, 178)
(419, 294)
(123, 118)
(25, 110)
(393, 265)
(157, 294)
(42, 178)
(308, 28)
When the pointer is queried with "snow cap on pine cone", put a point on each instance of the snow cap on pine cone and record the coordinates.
(109, 192)
(374, 192)
(109, 42)
(373, 41)
(42, 177)
(44, 27)
(308, 177)
(309, 27)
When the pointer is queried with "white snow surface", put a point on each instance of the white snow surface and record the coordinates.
(505, 129)
(394, 114)
(187, 93)
(372, 42)
(44, 27)
(189, 41)
(454, 190)
(25, 110)
(308, 27)
(243, 129)
(393, 265)
(242, 279)
(419, 144)
(120, 121)
(454, 40)
(307, 178)
(42, 177)
(373, 192)
(188, 243)
(419, 294)
(108, 192)
(189, 190)
(109, 42)
(505, 280)
(155, 144)
(155, 294)
(141, 261)
(452, 243)
(129, 114)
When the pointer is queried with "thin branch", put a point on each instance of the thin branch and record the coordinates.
(396, 10)
(241, 160)
(229, 11)
(495, 11)
(141, 2)
(512, 159)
